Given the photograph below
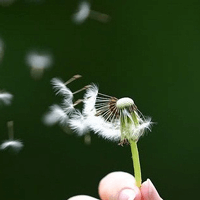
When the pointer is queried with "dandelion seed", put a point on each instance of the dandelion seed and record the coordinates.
(6, 98)
(60, 88)
(14, 144)
(55, 115)
(38, 62)
(78, 123)
(116, 119)
(84, 12)
(66, 113)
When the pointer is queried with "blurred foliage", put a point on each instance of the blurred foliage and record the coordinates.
(149, 51)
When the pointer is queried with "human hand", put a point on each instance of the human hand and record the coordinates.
(121, 186)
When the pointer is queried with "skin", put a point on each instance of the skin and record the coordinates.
(121, 186)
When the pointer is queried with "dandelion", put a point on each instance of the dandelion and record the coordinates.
(112, 118)
(84, 12)
(38, 61)
(78, 123)
(14, 144)
(6, 98)
(108, 114)
(116, 119)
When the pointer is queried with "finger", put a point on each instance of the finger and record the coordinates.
(119, 186)
(149, 192)
(82, 197)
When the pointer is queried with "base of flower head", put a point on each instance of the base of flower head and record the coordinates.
(123, 142)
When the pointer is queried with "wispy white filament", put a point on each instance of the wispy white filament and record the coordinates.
(60, 88)
(15, 144)
(89, 100)
(55, 115)
(6, 98)
(78, 123)
(103, 114)
(39, 60)
(83, 12)
(104, 128)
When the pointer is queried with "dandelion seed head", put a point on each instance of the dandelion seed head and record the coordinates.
(113, 118)
(124, 102)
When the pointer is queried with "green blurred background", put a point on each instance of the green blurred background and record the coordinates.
(149, 51)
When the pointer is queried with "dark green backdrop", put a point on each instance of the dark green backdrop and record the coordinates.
(149, 51)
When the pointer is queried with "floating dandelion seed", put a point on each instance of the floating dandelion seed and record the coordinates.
(67, 114)
(14, 144)
(60, 114)
(38, 62)
(55, 115)
(6, 98)
(84, 12)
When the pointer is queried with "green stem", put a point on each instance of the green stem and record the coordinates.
(136, 162)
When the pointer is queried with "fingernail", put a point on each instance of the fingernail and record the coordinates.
(150, 185)
(127, 194)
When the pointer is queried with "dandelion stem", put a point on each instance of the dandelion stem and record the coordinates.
(136, 162)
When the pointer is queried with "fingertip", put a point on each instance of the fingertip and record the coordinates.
(149, 191)
(127, 194)
(82, 197)
(118, 183)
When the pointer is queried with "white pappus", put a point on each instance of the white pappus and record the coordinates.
(5, 98)
(112, 118)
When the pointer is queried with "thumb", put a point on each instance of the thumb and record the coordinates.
(119, 186)
(149, 192)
